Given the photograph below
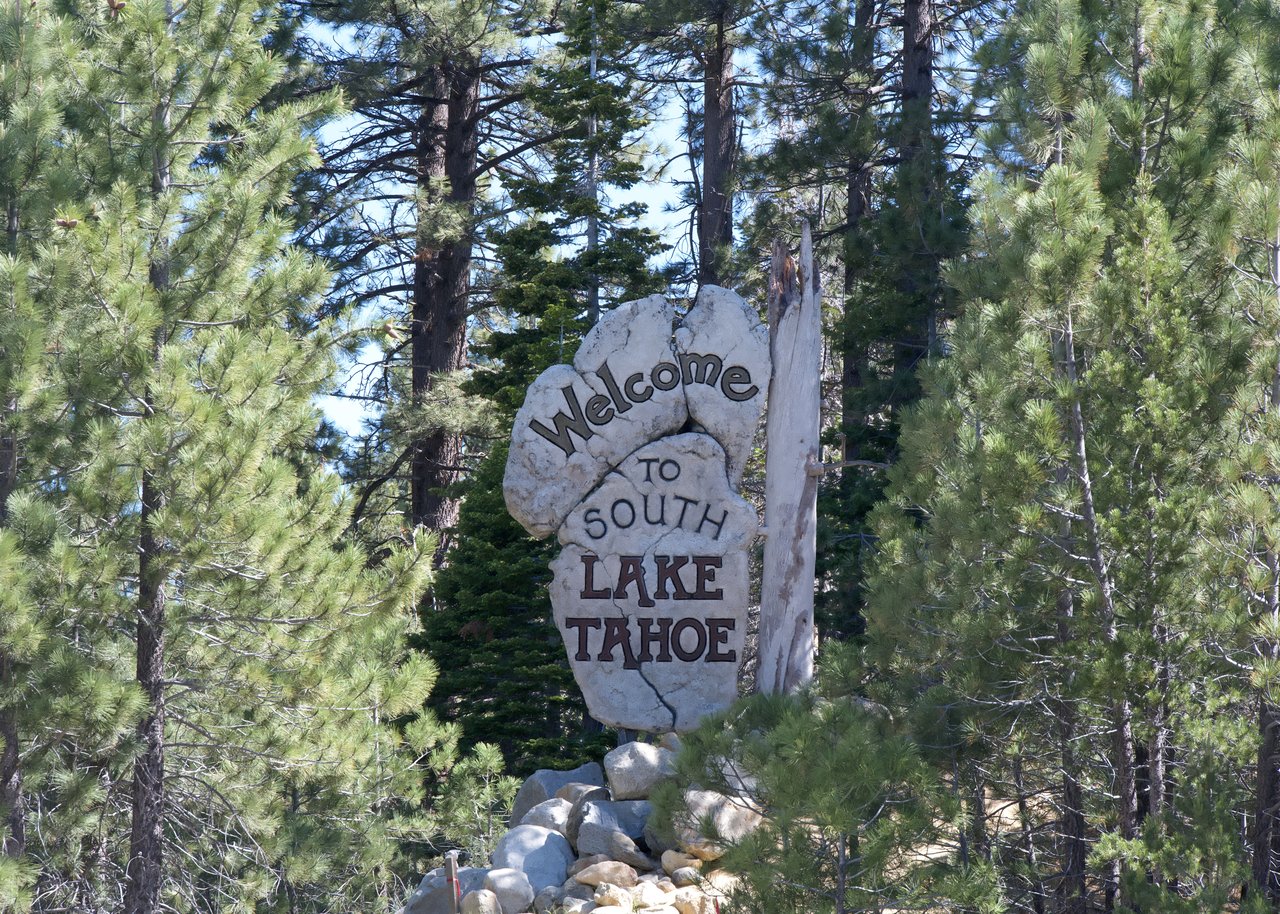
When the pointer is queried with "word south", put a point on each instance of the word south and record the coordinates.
(694, 368)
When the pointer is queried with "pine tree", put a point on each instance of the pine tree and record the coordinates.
(206, 724)
(569, 256)
(1040, 580)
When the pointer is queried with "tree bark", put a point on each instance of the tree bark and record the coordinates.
(144, 871)
(447, 145)
(918, 280)
(1265, 840)
(12, 803)
(786, 649)
(720, 140)
(853, 352)
(1121, 710)
(1073, 891)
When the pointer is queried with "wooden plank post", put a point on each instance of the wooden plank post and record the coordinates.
(787, 636)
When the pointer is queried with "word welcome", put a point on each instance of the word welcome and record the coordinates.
(694, 368)
(668, 583)
(687, 639)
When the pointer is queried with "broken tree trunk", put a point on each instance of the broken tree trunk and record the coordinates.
(791, 490)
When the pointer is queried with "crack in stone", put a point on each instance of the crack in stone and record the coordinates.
(658, 695)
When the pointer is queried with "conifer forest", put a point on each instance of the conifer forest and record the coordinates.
(275, 276)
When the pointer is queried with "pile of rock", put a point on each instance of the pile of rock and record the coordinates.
(582, 842)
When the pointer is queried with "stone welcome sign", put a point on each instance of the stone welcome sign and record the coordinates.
(632, 457)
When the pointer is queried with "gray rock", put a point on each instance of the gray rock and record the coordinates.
(543, 784)
(624, 850)
(685, 875)
(598, 795)
(657, 842)
(553, 814)
(547, 899)
(574, 792)
(433, 895)
(601, 819)
(512, 889)
(579, 905)
(634, 769)
(609, 403)
(541, 854)
(651, 590)
(721, 322)
(481, 902)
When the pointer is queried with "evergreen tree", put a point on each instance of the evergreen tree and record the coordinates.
(1038, 581)
(200, 672)
(571, 254)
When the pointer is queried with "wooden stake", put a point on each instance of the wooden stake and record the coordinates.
(787, 638)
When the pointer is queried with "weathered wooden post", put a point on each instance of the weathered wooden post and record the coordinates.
(787, 639)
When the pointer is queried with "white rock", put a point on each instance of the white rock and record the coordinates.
(611, 872)
(541, 854)
(512, 888)
(434, 896)
(481, 902)
(647, 895)
(731, 819)
(608, 894)
(543, 784)
(600, 820)
(634, 769)
(670, 741)
(673, 860)
(553, 814)
(692, 901)
(609, 403)
(663, 539)
(720, 322)
(612, 909)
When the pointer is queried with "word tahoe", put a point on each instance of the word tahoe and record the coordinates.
(734, 383)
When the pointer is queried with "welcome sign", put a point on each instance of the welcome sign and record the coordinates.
(632, 457)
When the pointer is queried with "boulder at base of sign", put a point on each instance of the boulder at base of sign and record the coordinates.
(433, 895)
(544, 783)
(624, 389)
(541, 854)
(731, 819)
(512, 888)
(650, 592)
(723, 333)
(635, 768)
(601, 820)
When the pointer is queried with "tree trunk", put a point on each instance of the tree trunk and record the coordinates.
(786, 645)
(1121, 710)
(918, 280)
(720, 138)
(447, 146)
(144, 872)
(853, 352)
(1073, 891)
(11, 797)
(1265, 840)
(146, 838)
